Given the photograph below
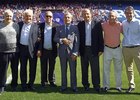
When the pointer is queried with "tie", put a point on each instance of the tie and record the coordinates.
(67, 30)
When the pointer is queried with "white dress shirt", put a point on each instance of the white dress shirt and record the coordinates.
(48, 37)
(131, 32)
(25, 34)
(88, 33)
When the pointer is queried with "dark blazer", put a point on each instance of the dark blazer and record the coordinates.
(61, 33)
(41, 32)
(97, 43)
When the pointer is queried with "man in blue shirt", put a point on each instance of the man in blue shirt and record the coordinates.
(47, 50)
(131, 45)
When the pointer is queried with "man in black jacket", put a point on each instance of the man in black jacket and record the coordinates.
(91, 47)
(47, 50)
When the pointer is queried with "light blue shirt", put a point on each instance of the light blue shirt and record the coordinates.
(25, 34)
(131, 32)
(88, 34)
(48, 37)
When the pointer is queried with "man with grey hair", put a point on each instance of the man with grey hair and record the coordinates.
(67, 36)
(131, 45)
(27, 45)
(91, 47)
(8, 49)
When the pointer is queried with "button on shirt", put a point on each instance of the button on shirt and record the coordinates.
(88, 33)
(48, 37)
(25, 34)
(131, 32)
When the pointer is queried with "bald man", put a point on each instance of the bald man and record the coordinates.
(67, 36)
(47, 50)
(91, 47)
(112, 51)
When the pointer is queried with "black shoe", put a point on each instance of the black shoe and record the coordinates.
(105, 89)
(52, 84)
(97, 90)
(23, 89)
(63, 89)
(31, 88)
(86, 88)
(119, 89)
(130, 90)
(44, 84)
(75, 90)
(14, 89)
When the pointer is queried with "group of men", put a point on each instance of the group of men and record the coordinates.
(26, 41)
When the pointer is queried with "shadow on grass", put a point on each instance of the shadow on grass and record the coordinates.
(48, 89)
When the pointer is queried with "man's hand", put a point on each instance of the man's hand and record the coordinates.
(66, 41)
(100, 53)
(38, 53)
(74, 57)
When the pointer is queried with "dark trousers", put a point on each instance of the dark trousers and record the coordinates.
(5, 58)
(64, 61)
(47, 66)
(24, 57)
(86, 59)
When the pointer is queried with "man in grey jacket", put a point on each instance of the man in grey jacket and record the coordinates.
(27, 44)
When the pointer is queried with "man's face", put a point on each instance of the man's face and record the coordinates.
(49, 17)
(8, 17)
(27, 18)
(67, 18)
(112, 17)
(129, 14)
(86, 15)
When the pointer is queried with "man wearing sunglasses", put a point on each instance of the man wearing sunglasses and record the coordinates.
(47, 50)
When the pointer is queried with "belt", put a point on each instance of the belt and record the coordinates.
(132, 46)
(113, 47)
(48, 49)
(24, 45)
(87, 46)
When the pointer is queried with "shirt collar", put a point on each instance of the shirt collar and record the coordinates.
(88, 22)
(47, 25)
(133, 20)
(27, 24)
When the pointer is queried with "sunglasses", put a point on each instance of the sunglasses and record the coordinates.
(48, 16)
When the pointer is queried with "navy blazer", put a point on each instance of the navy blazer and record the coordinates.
(41, 32)
(61, 33)
(97, 42)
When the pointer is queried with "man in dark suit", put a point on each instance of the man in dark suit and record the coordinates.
(27, 45)
(67, 36)
(47, 50)
(91, 47)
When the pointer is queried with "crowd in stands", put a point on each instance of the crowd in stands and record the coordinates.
(99, 10)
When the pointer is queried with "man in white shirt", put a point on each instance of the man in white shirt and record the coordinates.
(27, 45)
(47, 50)
(131, 45)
